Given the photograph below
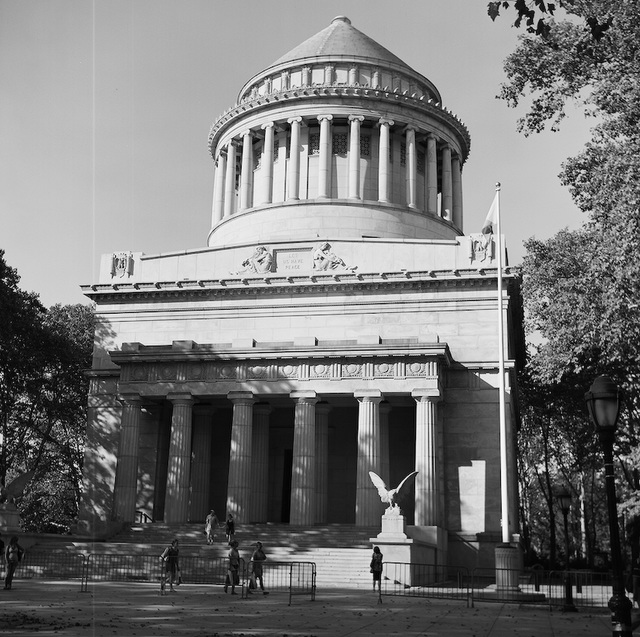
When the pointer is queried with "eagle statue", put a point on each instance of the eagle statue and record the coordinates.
(393, 496)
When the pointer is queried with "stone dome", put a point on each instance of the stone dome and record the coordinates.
(338, 137)
(341, 41)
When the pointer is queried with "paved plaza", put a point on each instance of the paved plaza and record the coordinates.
(37, 607)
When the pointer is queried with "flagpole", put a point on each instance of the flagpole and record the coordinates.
(504, 490)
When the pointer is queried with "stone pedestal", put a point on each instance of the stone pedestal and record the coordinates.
(411, 554)
(508, 567)
(9, 518)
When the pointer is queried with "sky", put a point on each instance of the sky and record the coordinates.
(106, 107)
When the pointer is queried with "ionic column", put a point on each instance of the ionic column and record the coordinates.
(426, 504)
(246, 174)
(412, 167)
(383, 160)
(125, 490)
(266, 169)
(354, 156)
(303, 474)
(432, 176)
(240, 454)
(384, 410)
(322, 461)
(293, 177)
(176, 506)
(447, 187)
(230, 180)
(260, 463)
(324, 160)
(368, 508)
(201, 462)
(456, 180)
(218, 188)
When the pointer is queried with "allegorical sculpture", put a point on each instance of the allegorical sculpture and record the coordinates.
(324, 258)
(258, 263)
(393, 496)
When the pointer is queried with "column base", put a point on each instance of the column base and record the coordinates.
(508, 567)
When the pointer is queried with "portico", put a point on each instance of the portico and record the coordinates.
(194, 392)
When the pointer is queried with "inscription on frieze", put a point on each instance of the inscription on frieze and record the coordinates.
(293, 260)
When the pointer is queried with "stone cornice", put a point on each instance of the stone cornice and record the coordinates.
(281, 284)
(334, 91)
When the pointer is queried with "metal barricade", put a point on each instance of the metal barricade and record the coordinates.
(295, 578)
(426, 580)
(51, 565)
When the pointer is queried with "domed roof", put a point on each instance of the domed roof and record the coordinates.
(340, 38)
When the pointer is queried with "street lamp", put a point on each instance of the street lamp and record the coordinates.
(603, 402)
(564, 500)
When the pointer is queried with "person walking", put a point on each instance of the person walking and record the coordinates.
(209, 524)
(171, 570)
(257, 560)
(230, 529)
(376, 567)
(233, 574)
(12, 557)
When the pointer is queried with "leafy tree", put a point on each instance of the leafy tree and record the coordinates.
(43, 390)
(582, 288)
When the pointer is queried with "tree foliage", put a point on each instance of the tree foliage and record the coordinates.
(581, 288)
(43, 393)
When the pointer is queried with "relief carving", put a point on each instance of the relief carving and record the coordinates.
(325, 259)
(258, 263)
(121, 264)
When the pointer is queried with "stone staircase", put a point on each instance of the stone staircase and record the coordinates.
(341, 552)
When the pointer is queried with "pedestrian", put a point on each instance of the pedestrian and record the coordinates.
(209, 524)
(233, 574)
(376, 567)
(230, 529)
(257, 560)
(171, 567)
(12, 557)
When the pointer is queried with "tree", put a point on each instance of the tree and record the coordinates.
(582, 288)
(43, 393)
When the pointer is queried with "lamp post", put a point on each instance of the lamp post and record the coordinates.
(603, 402)
(564, 500)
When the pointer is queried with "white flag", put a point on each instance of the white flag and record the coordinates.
(490, 223)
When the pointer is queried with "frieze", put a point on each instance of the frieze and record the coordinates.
(296, 370)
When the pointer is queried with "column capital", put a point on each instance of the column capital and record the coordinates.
(323, 118)
(267, 125)
(305, 396)
(323, 407)
(426, 394)
(232, 143)
(384, 121)
(131, 398)
(246, 133)
(294, 120)
(203, 410)
(410, 129)
(262, 409)
(241, 397)
(180, 398)
(356, 118)
(369, 395)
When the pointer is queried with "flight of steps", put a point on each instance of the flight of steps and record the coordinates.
(341, 552)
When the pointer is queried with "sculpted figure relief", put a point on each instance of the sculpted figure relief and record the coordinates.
(325, 259)
(392, 496)
(258, 263)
